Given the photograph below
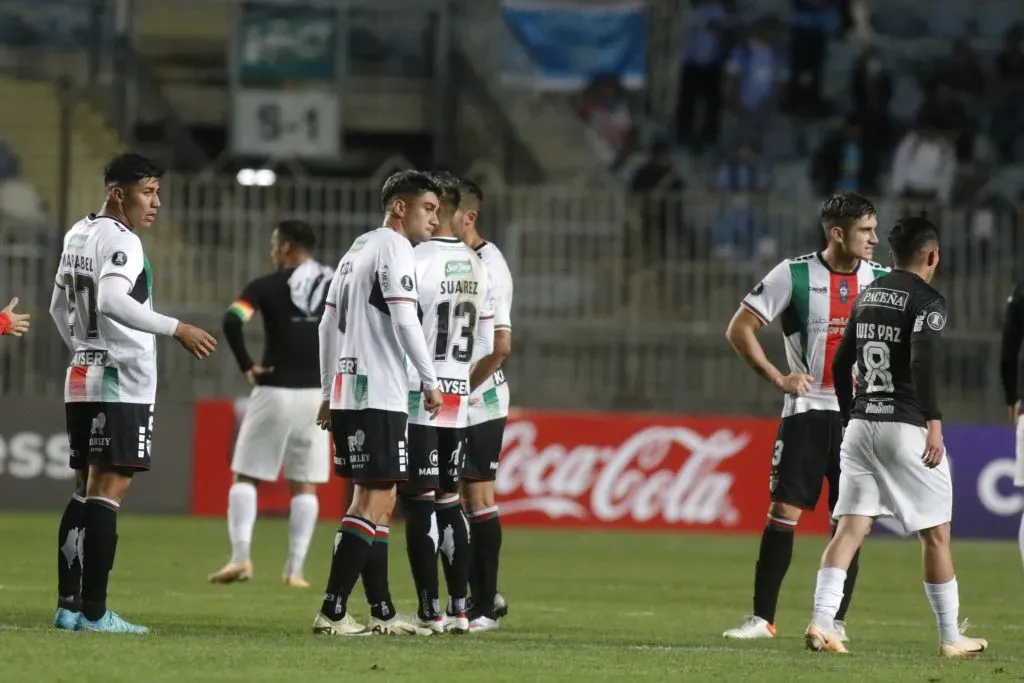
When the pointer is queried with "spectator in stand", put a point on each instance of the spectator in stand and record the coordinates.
(700, 78)
(741, 230)
(871, 93)
(951, 116)
(963, 73)
(755, 76)
(843, 163)
(655, 187)
(925, 164)
(1008, 114)
(814, 23)
(604, 105)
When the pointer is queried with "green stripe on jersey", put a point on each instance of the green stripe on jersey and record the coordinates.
(111, 385)
(799, 274)
(878, 273)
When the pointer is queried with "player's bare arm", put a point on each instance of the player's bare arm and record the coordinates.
(11, 323)
(492, 362)
(742, 335)
(842, 369)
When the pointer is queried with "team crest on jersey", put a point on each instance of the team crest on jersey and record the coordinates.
(844, 291)
(936, 321)
(458, 268)
(119, 258)
(406, 283)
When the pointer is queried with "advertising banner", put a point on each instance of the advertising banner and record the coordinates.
(217, 423)
(656, 472)
(34, 472)
(985, 502)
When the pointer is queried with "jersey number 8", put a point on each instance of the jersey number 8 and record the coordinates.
(876, 361)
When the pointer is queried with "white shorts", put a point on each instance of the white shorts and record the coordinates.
(881, 475)
(279, 427)
(1018, 471)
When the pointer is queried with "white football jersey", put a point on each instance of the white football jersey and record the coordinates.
(490, 400)
(453, 285)
(814, 304)
(111, 363)
(377, 269)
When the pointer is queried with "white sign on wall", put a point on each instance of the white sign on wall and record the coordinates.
(284, 123)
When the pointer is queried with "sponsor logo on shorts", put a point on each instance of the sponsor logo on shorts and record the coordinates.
(356, 456)
(498, 376)
(403, 462)
(433, 470)
(97, 437)
(885, 298)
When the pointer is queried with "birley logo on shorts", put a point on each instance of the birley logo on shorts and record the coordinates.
(454, 387)
(348, 366)
(97, 437)
(885, 298)
(355, 448)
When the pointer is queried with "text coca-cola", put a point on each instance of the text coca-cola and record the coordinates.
(633, 471)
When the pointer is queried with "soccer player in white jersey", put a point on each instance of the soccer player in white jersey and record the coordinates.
(457, 319)
(102, 305)
(813, 295)
(488, 410)
(893, 455)
(368, 331)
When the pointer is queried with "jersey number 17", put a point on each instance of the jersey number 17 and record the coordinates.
(80, 291)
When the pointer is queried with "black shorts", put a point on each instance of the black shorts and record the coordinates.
(484, 449)
(369, 445)
(436, 458)
(806, 454)
(117, 435)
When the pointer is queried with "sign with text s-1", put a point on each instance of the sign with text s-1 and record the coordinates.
(286, 123)
(34, 452)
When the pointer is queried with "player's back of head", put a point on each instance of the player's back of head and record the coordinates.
(125, 170)
(408, 184)
(297, 233)
(472, 195)
(912, 239)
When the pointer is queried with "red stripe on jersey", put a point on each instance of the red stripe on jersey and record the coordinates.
(336, 389)
(757, 313)
(394, 300)
(842, 290)
(450, 404)
(76, 381)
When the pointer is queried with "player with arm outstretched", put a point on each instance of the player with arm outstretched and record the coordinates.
(893, 457)
(369, 329)
(813, 296)
(102, 305)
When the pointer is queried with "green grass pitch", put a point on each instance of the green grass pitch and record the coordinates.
(584, 607)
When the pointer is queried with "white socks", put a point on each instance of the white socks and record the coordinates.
(241, 518)
(945, 601)
(828, 594)
(305, 510)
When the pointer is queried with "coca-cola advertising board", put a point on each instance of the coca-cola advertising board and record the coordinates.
(642, 471)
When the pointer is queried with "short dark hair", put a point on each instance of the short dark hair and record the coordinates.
(297, 233)
(844, 209)
(909, 236)
(408, 183)
(451, 185)
(125, 170)
(471, 192)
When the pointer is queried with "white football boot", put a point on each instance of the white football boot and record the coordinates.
(751, 628)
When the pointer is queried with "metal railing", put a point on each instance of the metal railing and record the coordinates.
(621, 301)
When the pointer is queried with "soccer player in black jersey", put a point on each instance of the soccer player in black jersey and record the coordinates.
(892, 456)
(1011, 371)
(279, 427)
